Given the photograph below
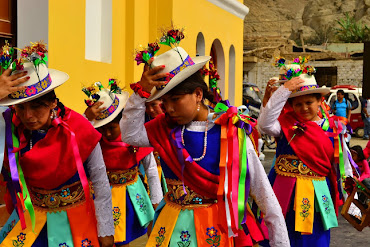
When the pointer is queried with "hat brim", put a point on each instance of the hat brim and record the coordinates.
(199, 62)
(322, 91)
(122, 103)
(57, 79)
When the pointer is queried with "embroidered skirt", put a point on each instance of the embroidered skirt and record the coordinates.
(132, 208)
(193, 220)
(305, 199)
(62, 220)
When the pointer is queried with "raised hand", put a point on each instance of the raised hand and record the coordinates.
(92, 112)
(9, 83)
(294, 83)
(150, 76)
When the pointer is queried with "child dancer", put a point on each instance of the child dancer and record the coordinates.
(303, 177)
(49, 147)
(132, 208)
(199, 209)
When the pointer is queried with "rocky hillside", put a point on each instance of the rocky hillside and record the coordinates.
(276, 20)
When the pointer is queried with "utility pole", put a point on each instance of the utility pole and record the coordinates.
(366, 72)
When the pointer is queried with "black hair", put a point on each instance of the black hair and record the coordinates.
(51, 97)
(316, 95)
(359, 152)
(340, 91)
(189, 85)
(117, 118)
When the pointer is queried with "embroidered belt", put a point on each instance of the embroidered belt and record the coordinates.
(192, 199)
(56, 200)
(123, 177)
(292, 166)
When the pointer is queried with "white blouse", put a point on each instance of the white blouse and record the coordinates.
(134, 133)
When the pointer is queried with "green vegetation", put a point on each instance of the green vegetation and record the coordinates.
(351, 31)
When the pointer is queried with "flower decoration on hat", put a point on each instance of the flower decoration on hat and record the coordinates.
(93, 91)
(143, 55)
(172, 37)
(279, 62)
(7, 53)
(36, 54)
(290, 72)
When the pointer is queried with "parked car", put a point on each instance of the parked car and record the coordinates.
(352, 94)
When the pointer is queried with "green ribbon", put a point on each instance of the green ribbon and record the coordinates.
(220, 108)
(25, 192)
(243, 175)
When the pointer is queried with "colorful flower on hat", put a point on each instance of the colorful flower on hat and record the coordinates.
(7, 53)
(31, 91)
(310, 70)
(172, 37)
(143, 55)
(279, 62)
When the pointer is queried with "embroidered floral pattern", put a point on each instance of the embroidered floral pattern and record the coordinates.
(160, 238)
(214, 239)
(20, 240)
(32, 89)
(185, 239)
(63, 245)
(10, 227)
(305, 206)
(116, 215)
(86, 243)
(106, 113)
(65, 192)
(326, 203)
(141, 203)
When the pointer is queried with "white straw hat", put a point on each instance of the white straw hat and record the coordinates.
(179, 65)
(42, 80)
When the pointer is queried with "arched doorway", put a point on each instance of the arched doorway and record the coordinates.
(218, 56)
(232, 75)
(201, 47)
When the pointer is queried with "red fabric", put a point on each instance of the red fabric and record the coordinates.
(319, 157)
(120, 156)
(51, 162)
(364, 168)
(367, 150)
(196, 177)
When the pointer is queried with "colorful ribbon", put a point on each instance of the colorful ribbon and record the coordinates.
(79, 164)
(16, 172)
(2, 136)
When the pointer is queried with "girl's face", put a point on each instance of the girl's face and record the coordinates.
(110, 131)
(182, 108)
(354, 156)
(306, 106)
(153, 108)
(35, 115)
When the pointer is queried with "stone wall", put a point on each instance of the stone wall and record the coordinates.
(348, 71)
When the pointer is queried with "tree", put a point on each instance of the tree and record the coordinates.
(351, 31)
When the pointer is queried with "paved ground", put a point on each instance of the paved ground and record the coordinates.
(343, 236)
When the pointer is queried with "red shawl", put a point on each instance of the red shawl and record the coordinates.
(196, 177)
(313, 148)
(51, 162)
(121, 156)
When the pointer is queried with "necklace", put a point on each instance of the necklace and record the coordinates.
(31, 143)
(204, 145)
